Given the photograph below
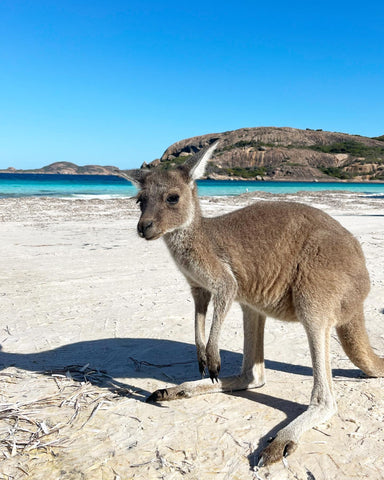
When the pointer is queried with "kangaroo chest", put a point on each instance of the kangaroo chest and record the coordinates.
(197, 262)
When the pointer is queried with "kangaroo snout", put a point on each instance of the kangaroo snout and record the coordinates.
(145, 229)
(143, 226)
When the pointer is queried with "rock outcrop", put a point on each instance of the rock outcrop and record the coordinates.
(286, 154)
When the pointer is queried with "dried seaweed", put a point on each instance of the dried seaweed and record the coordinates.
(25, 426)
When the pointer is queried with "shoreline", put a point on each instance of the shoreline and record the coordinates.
(225, 178)
(216, 178)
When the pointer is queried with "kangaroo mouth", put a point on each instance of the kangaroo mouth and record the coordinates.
(148, 230)
(153, 237)
(150, 235)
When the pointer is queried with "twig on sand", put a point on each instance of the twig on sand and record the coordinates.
(140, 363)
(93, 413)
(318, 430)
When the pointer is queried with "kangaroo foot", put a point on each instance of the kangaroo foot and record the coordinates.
(201, 387)
(164, 394)
(275, 451)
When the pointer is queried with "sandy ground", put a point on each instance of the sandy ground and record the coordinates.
(93, 319)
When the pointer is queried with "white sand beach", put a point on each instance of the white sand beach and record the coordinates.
(93, 319)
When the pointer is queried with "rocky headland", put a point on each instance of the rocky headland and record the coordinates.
(272, 153)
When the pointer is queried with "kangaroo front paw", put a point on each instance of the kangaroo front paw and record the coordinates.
(202, 359)
(213, 364)
(275, 451)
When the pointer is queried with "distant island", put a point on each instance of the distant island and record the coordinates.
(265, 153)
(68, 168)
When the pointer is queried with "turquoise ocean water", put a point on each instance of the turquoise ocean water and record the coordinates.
(100, 186)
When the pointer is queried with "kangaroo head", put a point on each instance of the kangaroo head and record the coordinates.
(168, 198)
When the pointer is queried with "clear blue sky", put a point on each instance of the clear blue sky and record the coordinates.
(116, 82)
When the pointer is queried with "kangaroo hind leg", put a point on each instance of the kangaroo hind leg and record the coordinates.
(252, 372)
(253, 353)
(322, 405)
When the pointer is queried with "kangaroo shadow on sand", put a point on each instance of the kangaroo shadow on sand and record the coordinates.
(121, 358)
(104, 362)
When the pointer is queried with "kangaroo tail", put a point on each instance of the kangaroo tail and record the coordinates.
(355, 342)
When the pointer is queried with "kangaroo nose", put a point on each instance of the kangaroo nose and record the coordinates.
(142, 227)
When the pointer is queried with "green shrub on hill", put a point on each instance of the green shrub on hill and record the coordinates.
(244, 172)
(246, 144)
(351, 147)
(336, 172)
(378, 176)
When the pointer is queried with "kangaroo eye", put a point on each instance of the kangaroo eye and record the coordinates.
(173, 199)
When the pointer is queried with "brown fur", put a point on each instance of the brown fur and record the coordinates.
(279, 259)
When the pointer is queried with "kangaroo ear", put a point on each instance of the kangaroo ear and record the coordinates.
(137, 176)
(196, 165)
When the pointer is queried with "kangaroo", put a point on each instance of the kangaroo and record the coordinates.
(280, 259)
